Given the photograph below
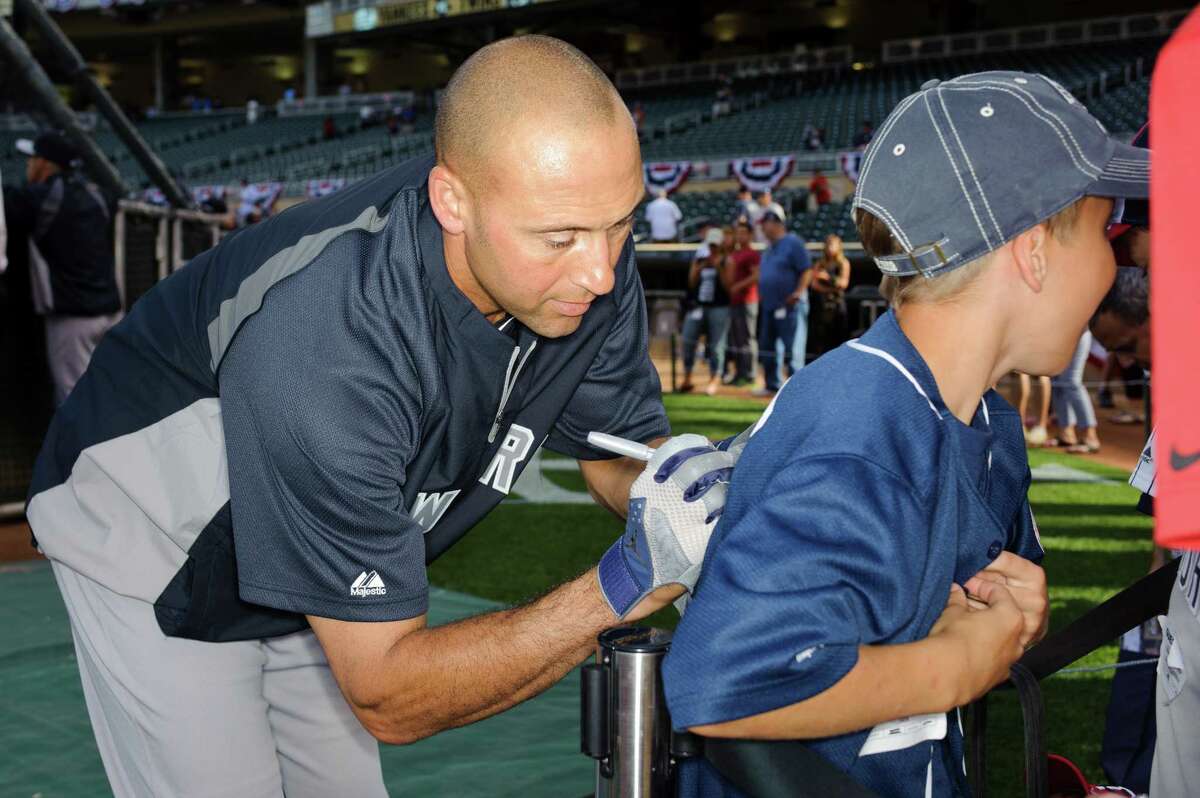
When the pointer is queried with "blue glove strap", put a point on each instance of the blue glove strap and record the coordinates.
(625, 571)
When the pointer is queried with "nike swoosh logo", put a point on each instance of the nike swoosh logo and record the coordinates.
(1182, 461)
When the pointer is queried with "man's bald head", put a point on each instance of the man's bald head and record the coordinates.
(525, 80)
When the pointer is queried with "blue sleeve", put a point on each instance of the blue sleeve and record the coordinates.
(801, 260)
(621, 393)
(319, 428)
(825, 557)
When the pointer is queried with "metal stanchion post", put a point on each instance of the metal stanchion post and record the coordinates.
(625, 725)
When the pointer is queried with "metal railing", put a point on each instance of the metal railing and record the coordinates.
(786, 63)
(1033, 37)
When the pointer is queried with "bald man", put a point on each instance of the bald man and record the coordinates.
(240, 497)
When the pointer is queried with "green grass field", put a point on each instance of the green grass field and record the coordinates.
(1096, 544)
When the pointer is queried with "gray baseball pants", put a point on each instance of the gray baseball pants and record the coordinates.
(1176, 769)
(180, 718)
(70, 341)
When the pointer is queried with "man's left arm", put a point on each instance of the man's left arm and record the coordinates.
(608, 481)
(802, 265)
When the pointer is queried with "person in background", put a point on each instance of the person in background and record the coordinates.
(744, 207)
(818, 188)
(742, 266)
(1073, 405)
(708, 287)
(830, 279)
(1035, 435)
(72, 270)
(664, 216)
(863, 137)
(639, 117)
(764, 204)
(784, 275)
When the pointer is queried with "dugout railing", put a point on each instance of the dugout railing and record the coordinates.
(149, 243)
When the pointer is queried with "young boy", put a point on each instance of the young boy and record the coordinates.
(888, 476)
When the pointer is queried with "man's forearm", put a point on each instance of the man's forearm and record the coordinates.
(608, 481)
(447, 676)
(887, 682)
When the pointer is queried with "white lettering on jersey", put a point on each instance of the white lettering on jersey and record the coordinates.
(500, 472)
(429, 508)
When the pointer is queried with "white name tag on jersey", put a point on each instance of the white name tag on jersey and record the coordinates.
(896, 735)
(1142, 477)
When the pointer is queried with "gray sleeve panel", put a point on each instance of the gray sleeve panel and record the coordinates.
(321, 414)
(286, 262)
(621, 394)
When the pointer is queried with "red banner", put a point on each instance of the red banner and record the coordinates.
(1175, 287)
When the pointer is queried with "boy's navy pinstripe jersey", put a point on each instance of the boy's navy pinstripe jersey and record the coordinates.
(302, 417)
(842, 529)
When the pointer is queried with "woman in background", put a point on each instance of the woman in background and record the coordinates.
(831, 278)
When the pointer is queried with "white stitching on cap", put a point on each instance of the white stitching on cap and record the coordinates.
(882, 133)
(1078, 151)
(966, 194)
(895, 227)
(983, 196)
(1066, 145)
(1066, 128)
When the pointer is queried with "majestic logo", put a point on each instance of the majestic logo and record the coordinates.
(500, 472)
(368, 584)
(1182, 461)
(429, 508)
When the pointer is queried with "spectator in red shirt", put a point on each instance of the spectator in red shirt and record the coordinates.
(819, 188)
(743, 301)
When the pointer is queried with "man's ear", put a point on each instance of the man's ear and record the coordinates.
(448, 197)
(1029, 253)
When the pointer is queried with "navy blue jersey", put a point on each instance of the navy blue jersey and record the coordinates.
(302, 417)
(69, 227)
(858, 501)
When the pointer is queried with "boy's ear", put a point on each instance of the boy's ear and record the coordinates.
(1029, 252)
(447, 199)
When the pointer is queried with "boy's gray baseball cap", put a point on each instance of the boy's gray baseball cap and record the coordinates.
(964, 165)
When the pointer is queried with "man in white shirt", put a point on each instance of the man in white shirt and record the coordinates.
(764, 204)
(664, 217)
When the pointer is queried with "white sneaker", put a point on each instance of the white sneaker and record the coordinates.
(762, 392)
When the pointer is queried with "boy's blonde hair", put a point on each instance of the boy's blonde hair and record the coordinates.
(878, 241)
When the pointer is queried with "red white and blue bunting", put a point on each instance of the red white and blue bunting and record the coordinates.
(316, 189)
(202, 194)
(665, 175)
(850, 163)
(762, 174)
(258, 197)
(321, 188)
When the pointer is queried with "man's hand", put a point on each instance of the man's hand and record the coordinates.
(987, 640)
(673, 507)
(1027, 584)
